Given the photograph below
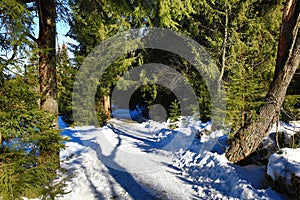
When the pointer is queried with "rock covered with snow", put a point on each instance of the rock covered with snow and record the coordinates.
(284, 172)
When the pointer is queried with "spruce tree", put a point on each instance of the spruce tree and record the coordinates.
(26, 131)
(240, 35)
(66, 74)
(129, 14)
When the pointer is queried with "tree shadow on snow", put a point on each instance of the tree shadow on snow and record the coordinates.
(67, 132)
(121, 176)
(171, 141)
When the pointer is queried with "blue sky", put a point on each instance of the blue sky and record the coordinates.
(62, 29)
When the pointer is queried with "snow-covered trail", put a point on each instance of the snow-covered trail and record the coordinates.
(127, 160)
(121, 161)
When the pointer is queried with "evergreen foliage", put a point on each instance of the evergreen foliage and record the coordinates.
(29, 147)
(240, 35)
(246, 54)
(175, 111)
(66, 74)
(29, 140)
(251, 62)
(291, 106)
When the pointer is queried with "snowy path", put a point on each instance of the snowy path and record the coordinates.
(127, 160)
(121, 164)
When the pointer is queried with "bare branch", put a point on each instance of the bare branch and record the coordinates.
(32, 37)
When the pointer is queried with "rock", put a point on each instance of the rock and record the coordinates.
(283, 172)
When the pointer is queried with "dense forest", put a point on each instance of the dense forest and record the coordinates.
(37, 75)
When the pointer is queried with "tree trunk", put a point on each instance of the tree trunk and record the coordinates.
(47, 68)
(106, 105)
(47, 62)
(247, 139)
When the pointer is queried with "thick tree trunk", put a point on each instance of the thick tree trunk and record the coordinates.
(47, 68)
(247, 139)
(47, 63)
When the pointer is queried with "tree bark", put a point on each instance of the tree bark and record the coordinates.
(247, 139)
(47, 69)
(47, 62)
(106, 105)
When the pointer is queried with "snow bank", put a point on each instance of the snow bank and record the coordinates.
(213, 177)
(284, 163)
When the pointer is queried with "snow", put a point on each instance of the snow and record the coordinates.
(109, 165)
(284, 163)
(212, 177)
(129, 160)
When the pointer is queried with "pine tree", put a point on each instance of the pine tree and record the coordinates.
(98, 27)
(291, 106)
(240, 35)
